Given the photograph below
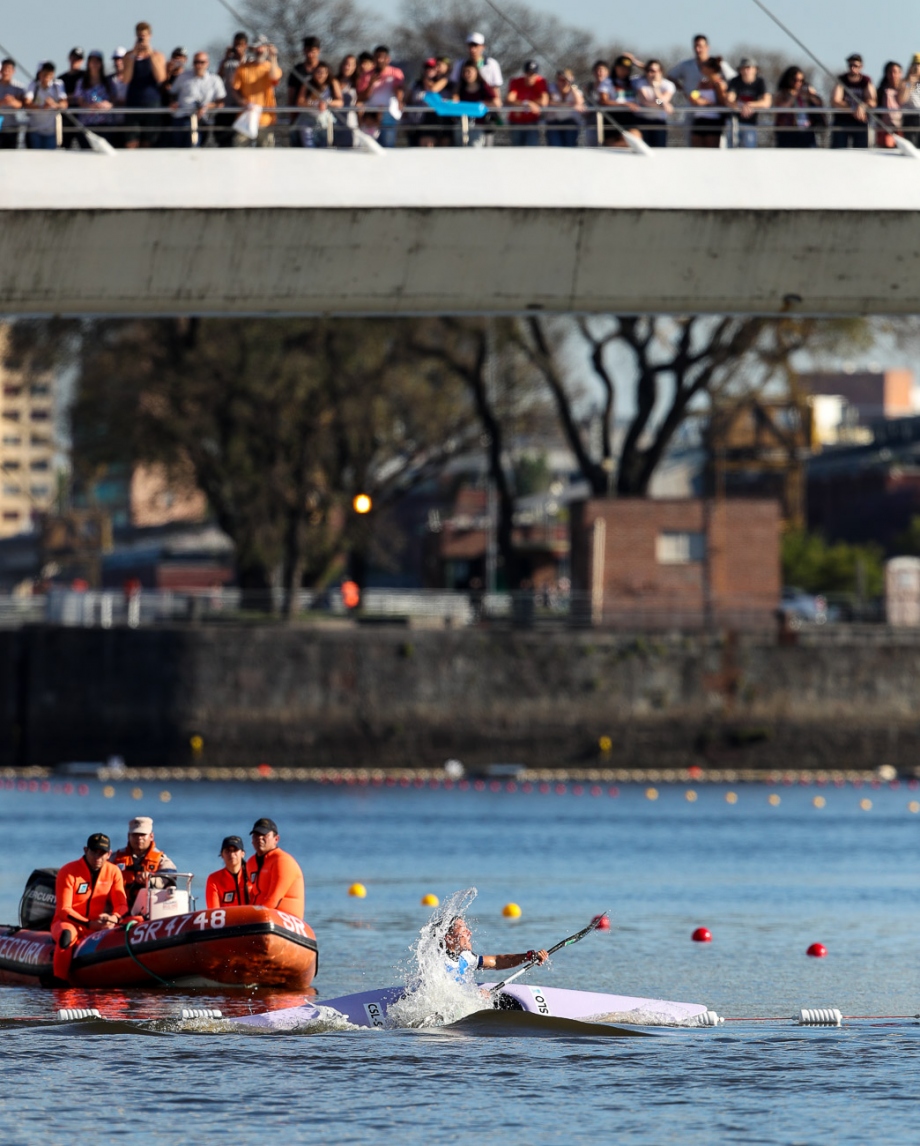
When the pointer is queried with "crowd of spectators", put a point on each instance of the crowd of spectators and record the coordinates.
(141, 98)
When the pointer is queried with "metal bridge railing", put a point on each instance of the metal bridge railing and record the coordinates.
(344, 128)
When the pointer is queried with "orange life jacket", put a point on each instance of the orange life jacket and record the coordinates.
(132, 866)
(224, 889)
(83, 895)
(276, 882)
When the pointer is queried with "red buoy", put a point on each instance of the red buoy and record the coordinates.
(702, 935)
(602, 921)
(818, 950)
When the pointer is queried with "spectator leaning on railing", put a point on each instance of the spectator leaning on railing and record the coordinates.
(528, 91)
(796, 128)
(854, 92)
(46, 93)
(656, 93)
(889, 91)
(321, 93)
(12, 98)
(625, 102)
(712, 94)
(255, 81)
(94, 93)
(749, 93)
(472, 88)
(74, 74)
(200, 93)
(564, 114)
(598, 94)
(427, 129)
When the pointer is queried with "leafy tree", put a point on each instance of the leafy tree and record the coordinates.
(281, 423)
(810, 563)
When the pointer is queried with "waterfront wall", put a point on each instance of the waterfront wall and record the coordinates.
(361, 696)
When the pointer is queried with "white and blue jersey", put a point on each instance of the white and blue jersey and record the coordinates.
(461, 967)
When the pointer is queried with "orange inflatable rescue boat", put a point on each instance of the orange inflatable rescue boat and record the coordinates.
(172, 946)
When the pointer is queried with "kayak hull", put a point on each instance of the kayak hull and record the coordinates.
(369, 1008)
(228, 947)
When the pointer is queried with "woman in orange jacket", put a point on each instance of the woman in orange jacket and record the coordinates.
(275, 878)
(228, 887)
(90, 896)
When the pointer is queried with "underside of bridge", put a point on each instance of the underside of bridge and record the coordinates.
(444, 231)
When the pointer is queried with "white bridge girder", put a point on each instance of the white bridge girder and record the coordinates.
(438, 231)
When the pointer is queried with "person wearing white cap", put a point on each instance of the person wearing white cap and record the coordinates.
(489, 68)
(140, 859)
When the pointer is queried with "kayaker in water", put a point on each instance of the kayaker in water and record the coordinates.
(461, 960)
(228, 887)
(275, 878)
(90, 895)
(140, 859)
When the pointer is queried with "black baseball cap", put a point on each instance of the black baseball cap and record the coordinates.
(531, 66)
(77, 53)
(99, 842)
(234, 842)
(263, 827)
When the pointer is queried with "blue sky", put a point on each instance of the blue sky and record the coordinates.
(888, 30)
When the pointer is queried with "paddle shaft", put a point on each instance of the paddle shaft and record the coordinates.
(579, 935)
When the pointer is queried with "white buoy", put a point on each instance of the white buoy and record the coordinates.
(201, 1013)
(820, 1017)
(707, 1019)
(68, 1014)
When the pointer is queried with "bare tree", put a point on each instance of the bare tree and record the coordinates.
(678, 367)
(440, 27)
(341, 25)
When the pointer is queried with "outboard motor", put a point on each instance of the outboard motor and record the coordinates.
(36, 908)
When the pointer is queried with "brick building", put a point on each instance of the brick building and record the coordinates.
(676, 562)
(874, 394)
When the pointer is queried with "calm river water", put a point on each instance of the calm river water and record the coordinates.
(767, 879)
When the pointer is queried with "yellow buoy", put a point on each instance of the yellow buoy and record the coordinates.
(430, 900)
(651, 793)
(358, 890)
(511, 911)
(605, 744)
(196, 743)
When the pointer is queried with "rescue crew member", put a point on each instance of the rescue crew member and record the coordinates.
(228, 887)
(140, 858)
(90, 895)
(461, 961)
(275, 878)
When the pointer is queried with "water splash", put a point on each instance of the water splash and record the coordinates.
(433, 996)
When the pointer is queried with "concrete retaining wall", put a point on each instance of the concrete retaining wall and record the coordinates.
(361, 697)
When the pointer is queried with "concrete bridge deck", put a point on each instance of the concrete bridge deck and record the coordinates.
(498, 230)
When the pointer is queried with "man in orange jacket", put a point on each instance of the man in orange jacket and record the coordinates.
(90, 894)
(275, 878)
(228, 887)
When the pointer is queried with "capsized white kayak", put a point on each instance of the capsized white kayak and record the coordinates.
(369, 1008)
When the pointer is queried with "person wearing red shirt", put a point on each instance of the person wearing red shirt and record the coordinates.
(228, 887)
(531, 93)
(90, 896)
(275, 878)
